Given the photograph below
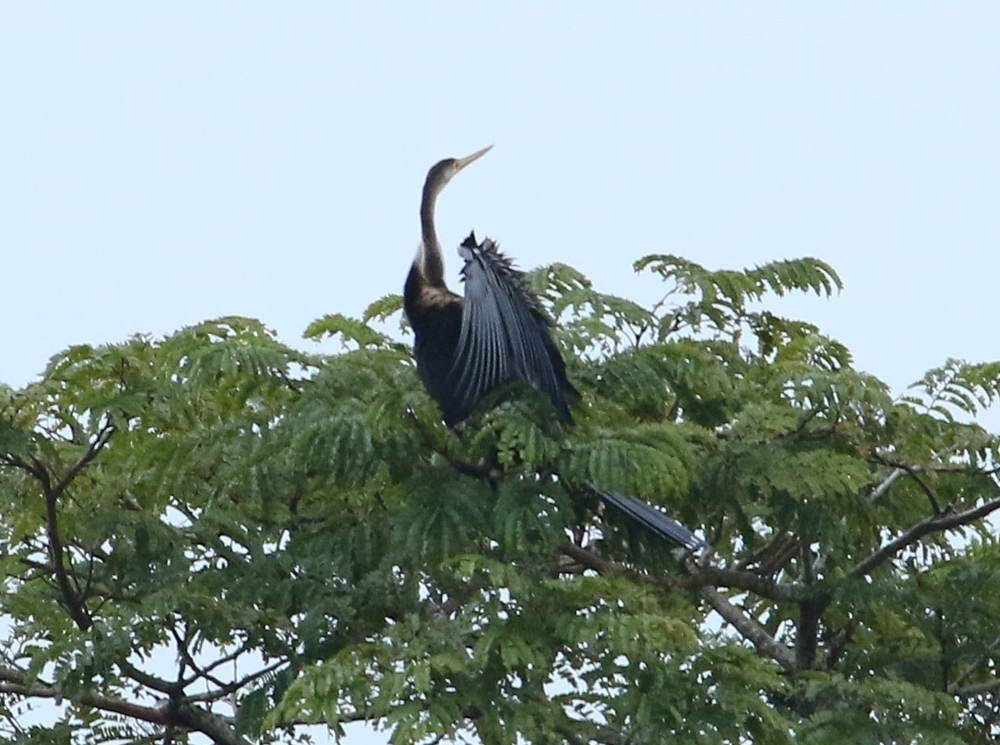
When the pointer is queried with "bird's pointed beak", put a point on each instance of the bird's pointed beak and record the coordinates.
(461, 163)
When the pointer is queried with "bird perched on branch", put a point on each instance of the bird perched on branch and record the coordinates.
(498, 333)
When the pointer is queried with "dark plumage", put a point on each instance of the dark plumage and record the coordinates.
(497, 334)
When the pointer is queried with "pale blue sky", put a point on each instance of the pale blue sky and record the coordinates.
(165, 163)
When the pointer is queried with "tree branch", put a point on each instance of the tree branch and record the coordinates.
(589, 559)
(742, 580)
(215, 727)
(977, 689)
(757, 556)
(698, 577)
(71, 599)
(228, 688)
(150, 681)
(931, 497)
(34, 468)
(427, 436)
(750, 629)
(879, 491)
(156, 715)
(974, 665)
(914, 473)
(806, 635)
(918, 531)
(103, 435)
(785, 552)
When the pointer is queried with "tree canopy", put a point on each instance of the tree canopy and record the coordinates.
(215, 536)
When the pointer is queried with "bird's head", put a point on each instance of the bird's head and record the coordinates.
(443, 171)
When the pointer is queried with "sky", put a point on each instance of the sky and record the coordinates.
(161, 164)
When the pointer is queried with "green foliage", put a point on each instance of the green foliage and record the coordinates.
(721, 297)
(383, 308)
(302, 539)
(349, 329)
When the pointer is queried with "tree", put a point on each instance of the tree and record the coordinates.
(213, 535)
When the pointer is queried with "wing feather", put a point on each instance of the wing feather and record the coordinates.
(505, 336)
(655, 520)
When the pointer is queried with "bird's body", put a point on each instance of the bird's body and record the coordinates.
(435, 314)
(498, 333)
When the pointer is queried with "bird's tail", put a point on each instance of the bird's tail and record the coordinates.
(653, 519)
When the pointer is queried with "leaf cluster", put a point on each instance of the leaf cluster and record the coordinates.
(307, 542)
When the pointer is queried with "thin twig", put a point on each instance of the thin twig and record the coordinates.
(103, 436)
(965, 674)
(879, 491)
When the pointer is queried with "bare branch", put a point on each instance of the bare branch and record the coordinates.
(589, 559)
(227, 658)
(914, 473)
(698, 577)
(879, 491)
(786, 551)
(156, 715)
(931, 497)
(34, 468)
(95, 447)
(71, 599)
(743, 580)
(236, 685)
(750, 629)
(150, 681)
(918, 531)
(215, 727)
(188, 661)
(758, 556)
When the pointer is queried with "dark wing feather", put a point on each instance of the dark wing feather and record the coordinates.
(505, 335)
(653, 519)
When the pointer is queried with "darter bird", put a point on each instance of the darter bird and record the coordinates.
(498, 333)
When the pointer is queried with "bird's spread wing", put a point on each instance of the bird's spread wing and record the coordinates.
(505, 335)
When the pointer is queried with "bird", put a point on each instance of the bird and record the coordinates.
(498, 333)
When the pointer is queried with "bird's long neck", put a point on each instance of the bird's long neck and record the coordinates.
(431, 262)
